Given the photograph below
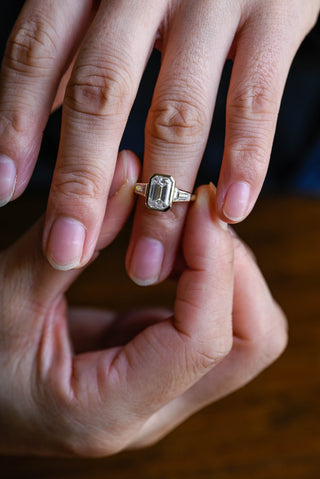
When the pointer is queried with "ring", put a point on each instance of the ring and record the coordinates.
(161, 192)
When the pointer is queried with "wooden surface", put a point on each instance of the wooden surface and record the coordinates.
(269, 429)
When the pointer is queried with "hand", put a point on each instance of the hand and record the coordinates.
(64, 392)
(112, 48)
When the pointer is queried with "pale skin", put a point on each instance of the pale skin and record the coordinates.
(91, 383)
(90, 56)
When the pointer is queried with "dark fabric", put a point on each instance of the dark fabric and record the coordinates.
(295, 161)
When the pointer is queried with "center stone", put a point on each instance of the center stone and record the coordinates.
(160, 192)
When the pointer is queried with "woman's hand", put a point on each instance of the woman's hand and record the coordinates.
(90, 383)
(103, 47)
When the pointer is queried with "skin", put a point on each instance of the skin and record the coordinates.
(99, 50)
(81, 382)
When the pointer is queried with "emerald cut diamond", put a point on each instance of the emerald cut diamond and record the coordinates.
(160, 192)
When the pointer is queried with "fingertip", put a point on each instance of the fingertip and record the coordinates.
(121, 197)
(235, 206)
(146, 261)
(133, 165)
(126, 172)
(206, 200)
(65, 245)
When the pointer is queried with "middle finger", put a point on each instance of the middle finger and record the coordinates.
(179, 120)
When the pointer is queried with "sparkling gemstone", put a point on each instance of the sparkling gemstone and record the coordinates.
(160, 192)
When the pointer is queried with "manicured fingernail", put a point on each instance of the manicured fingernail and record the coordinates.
(236, 201)
(65, 243)
(8, 174)
(146, 261)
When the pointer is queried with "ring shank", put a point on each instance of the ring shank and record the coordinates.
(141, 189)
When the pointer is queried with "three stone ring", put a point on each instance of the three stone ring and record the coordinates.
(161, 191)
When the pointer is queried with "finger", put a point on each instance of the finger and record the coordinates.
(167, 358)
(264, 51)
(61, 91)
(177, 128)
(120, 203)
(38, 52)
(29, 277)
(260, 332)
(98, 100)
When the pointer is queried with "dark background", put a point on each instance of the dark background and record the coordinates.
(295, 162)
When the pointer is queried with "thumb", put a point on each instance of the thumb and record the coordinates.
(167, 358)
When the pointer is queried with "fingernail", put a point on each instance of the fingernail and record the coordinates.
(8, 174)
(124, 172)
(236, 201)
(65, 244)
(206, 197)
(146, 261)
(120, 174)
(203, 197)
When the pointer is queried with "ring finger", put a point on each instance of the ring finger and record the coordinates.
(177, 127)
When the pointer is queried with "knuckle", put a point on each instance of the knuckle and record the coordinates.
(271, 344)
(15, 129)
(250, 160)
(31, 44)
(84, 444)
(254, 102)
(176, 121)
(278, 340)
(201, 362)
(78, 183)
(76, 434)
(203, 354)
(99, 91)
(208, 354)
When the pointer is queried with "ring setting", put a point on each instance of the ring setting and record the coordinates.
(161, 191)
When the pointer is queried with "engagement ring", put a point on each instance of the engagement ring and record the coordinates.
(161, 192)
